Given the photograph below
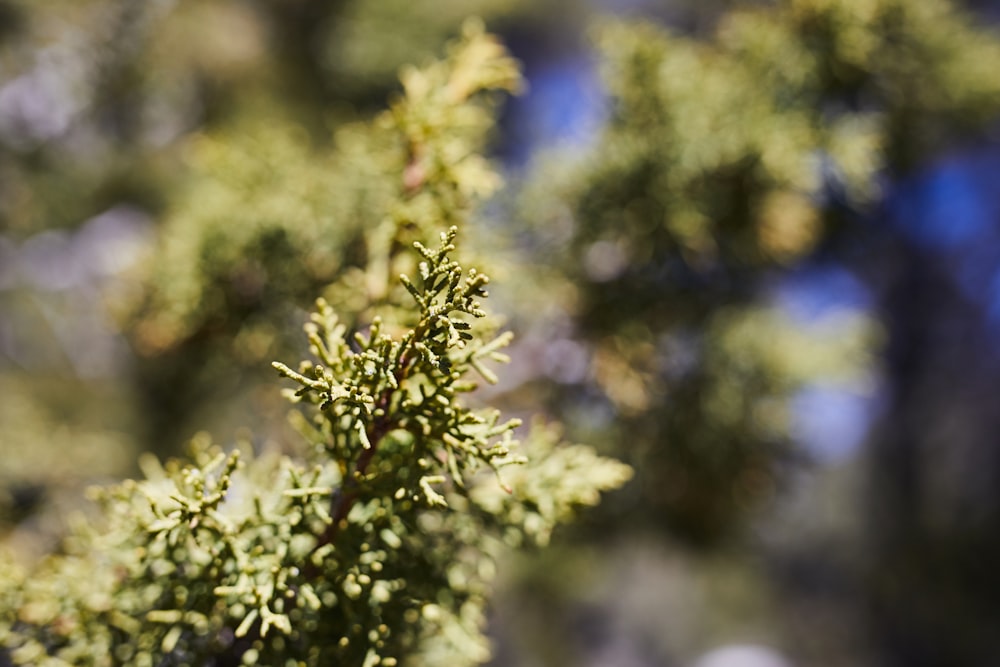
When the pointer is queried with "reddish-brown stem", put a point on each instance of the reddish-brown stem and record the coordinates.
(345, 497)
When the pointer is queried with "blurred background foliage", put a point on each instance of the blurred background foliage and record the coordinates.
(751, 248)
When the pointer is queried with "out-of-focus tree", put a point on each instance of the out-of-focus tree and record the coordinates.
(731, 159)
(726, 162)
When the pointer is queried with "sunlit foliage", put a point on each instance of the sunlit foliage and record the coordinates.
(372, 540)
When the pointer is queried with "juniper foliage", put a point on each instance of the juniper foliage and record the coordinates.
(267, 223)
(373, 540)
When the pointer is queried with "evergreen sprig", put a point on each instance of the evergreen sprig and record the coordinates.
(374, 544)
(407, 386)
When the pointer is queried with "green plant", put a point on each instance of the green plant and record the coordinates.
(372, 540)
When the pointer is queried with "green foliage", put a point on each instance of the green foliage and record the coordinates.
(267, 223)
(726, 159)
(305, 218)
(720, 153)
(372, 541)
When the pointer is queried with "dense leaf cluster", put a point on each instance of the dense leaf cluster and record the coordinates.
(372, 541)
